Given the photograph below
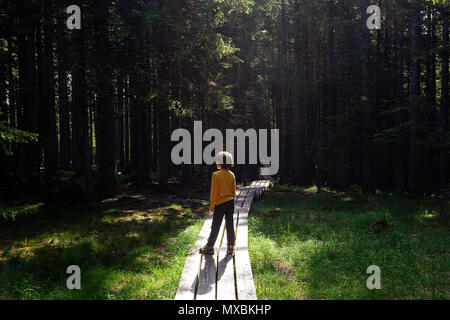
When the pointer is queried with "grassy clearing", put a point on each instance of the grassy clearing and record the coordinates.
(129, 248)
(305, 245)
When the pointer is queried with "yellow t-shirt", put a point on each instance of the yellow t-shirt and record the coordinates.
(223, 187)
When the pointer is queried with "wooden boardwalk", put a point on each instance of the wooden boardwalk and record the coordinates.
(221, 276)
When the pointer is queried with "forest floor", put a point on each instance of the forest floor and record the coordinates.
(302, 245)
(132, 246)
(309, 245)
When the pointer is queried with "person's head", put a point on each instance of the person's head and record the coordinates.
(224, 160)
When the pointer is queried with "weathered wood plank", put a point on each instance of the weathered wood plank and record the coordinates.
(208, 271)
(240, 198)
(225, 276)
(186, 288)
(259, 189)
(207, 278)
(225, 286)
(244, 278)
(194, 262)
(215, 274)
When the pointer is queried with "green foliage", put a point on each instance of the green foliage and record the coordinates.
(9, 135)
(438, 1)
(8, 213)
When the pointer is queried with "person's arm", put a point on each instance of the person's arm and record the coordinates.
(234, 187)
(214, 191)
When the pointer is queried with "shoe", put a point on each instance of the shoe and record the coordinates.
(230, 249)
(207, 250)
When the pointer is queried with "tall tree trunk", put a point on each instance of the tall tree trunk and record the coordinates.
(431, 58)
(80, 124)
(366, 106)
(63, 102)
(139, 120)
(298, 111)
(401, 152)
(413, 100)
(444, 132)
(120, 123)
(47, 113)
(3, 86)
(27, 113)
(331, 93)
(127, 126)
(341, 171)
(163, 132)
(105, 151)
(155, 130)
(282, 96)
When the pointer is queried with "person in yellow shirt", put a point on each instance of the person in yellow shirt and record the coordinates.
(223, 193)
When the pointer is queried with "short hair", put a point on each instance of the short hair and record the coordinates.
(225, 159)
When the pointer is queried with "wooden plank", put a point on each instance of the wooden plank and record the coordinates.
(254, 187)
(208, 268)
(240, 194)
(245, 286)
(259, 186)
(219, 267)
(208, 271)
(248, 199)
(186, 288)
(253, 183)
(207, 278)
(188, 281)
(225, 287)
(240, 198)
(225, 276)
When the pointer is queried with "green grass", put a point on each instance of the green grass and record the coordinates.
(123, 254)
(304, 245)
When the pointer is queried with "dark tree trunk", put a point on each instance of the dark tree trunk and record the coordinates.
(282, 96)
(27, 113)
(63, 103)
(127, 127)
(47, 113)
(80, 117)
(139, 129)
(298, 110)
(341, 171)
(105, 151)
(366, 107)
(331, 93)
(444, 131)
(163, 130)
(155, 130)
(120, 152)
(401, 142)
(413, 100)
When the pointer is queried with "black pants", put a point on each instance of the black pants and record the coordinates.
(227, 209)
